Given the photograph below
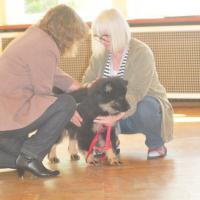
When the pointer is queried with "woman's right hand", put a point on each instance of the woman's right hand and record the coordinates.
(109, 120)
(76, 119)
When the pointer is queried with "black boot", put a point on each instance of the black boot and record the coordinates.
(26, 163)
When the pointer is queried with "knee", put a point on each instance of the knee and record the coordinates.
(149, 109)
(67, 102)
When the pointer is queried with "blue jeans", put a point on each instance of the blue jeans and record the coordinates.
(147, 120)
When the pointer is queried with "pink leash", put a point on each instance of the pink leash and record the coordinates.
(95, 140)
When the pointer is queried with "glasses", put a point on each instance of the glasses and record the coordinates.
(102, 38)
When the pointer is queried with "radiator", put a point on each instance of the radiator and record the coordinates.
(177, 55)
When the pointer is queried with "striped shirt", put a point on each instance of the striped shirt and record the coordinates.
(109, 71)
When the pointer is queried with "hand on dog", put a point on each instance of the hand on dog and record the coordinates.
(74, 86)
(88, 85)
(76, 119)
(109, 120)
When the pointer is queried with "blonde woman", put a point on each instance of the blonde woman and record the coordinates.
(28, 72)
(116, 53)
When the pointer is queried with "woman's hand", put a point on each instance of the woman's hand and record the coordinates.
(75, 86)
(76, 119)
(109, 120)
(88, 85)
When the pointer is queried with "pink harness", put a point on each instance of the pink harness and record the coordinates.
(95, 139)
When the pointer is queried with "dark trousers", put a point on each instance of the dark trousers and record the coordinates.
(48, 127)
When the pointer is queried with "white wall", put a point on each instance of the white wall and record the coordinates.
(2, 12)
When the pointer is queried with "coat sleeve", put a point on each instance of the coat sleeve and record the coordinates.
(141, 70)
(64, 81)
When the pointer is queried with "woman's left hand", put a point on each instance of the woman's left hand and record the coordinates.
(109, 120)
(76, 119)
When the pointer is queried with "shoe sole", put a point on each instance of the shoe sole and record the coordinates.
(157, 157)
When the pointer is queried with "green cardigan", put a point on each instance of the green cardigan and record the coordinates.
(142, 79)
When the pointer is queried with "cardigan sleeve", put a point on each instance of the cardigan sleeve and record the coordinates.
(140, 72)
(93, 70)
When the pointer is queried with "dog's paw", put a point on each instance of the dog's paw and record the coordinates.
(112, 158)
(114, 161)
(92, 161)
(75, 157)
(52, 156)
(54, 160)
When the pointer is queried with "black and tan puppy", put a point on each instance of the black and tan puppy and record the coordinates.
(107, 96)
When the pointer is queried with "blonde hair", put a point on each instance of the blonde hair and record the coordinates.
(111, 22)
(64, 25)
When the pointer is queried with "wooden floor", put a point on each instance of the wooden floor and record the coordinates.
(176, 177)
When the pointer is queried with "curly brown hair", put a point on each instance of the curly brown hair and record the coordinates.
(65, 26)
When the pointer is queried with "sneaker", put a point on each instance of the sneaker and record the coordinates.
(157, 152)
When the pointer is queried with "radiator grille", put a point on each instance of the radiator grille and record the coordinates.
(177, 59)
(5, 41)
(76, 66)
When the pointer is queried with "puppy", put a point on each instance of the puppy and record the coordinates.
(107, 96)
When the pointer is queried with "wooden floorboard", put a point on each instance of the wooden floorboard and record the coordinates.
(176, 177)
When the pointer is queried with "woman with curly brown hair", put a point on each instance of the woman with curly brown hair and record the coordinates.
(28, 72)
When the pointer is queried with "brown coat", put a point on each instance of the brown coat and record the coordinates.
(28, 71)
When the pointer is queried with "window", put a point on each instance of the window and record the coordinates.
(30, 11)
(137, 9)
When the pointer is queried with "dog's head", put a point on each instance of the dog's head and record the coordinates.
(110, 94)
